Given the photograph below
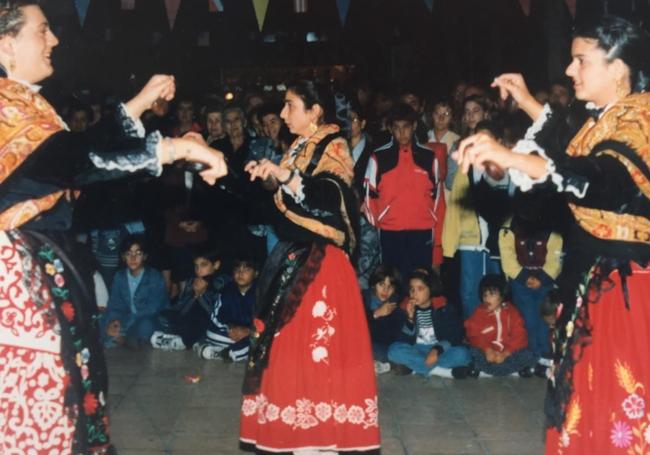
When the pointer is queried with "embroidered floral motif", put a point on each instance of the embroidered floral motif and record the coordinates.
(573, 416)
(305, 414)
(321, 339)
(633, 435)
(621, 435)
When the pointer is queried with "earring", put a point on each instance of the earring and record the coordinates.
(313, 127)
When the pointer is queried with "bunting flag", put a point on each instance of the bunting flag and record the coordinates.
(82, 9)
(172, 10)
(299, 6)
(571, 4)
(128, 5)
(260, 11)
(343, 6)
(429, 4)
(215, 6)
(525, 6)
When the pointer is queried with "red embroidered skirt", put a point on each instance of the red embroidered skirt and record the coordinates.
(319, 389)
(608, 411)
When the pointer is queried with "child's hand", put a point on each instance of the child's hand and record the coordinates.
(113, 329)
(432, 358)
(385, 309)
(199, 285)
(490, 355)
(410, 309)
(237, 333)
(501, 357)
(533, 282)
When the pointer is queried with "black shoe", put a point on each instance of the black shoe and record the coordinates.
(526, 372)
(225, 355)
(461, 372)
(400, 370)
(540, 371)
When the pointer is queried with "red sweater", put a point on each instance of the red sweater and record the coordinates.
(501, 330)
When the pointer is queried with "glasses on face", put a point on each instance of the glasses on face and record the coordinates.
(134, 254)
(442, 114)
(354, 119)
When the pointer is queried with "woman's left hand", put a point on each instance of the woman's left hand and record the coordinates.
(263, 169)
(481, 151)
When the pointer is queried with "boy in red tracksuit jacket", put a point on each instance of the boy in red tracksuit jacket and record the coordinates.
(497, 334)
(405, 196)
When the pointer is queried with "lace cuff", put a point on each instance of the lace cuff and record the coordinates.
(146, 160)
(132, 127)
(538, 124)
(299, 195)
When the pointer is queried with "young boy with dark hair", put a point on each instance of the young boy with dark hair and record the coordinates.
(232, 316)
(497, 334)
(185, 323)
(405, 196)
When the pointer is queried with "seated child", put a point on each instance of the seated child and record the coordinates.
(138, 294)
(186, 322)
(384, 322)
(497, 334)
(232, 317)
(431, 330)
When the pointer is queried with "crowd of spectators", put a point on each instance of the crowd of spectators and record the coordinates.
(455, 268)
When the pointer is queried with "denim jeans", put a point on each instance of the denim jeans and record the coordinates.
(474, 265)
(529, 301)
(414, 355)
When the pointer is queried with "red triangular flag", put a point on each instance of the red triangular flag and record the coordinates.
(172, 10)
(525, 6)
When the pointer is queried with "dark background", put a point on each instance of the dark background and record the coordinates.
(386, 42)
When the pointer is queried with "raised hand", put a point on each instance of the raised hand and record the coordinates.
(159, 87)
(514, 85)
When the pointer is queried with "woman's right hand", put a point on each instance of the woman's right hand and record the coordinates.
(191, 149)
(514, 85)
(160, 86)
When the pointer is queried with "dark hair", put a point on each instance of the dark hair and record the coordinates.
(246, 262)
(494, 128)
(311, 94)
(134, 239)
(621, 39)
(213, 108)
(12, 18)
(429, 278)
(269, 108)
(478, 99)
(492, 282)
(383, 271)
(206, 251)
(401, 112)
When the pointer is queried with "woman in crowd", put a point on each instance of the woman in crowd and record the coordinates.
(600, 378)
(310, 383)
(52, 370)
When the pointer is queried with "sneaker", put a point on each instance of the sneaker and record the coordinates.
(541, 371)
(462, 372)
(381, 367)
(167, 342)
(209, 352)
(526, 372)
(441, 372)
(400, 370)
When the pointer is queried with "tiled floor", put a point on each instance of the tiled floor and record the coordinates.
(155, 411)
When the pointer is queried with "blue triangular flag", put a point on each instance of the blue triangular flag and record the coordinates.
(343, 6)
(82, 9)
(429, 4)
